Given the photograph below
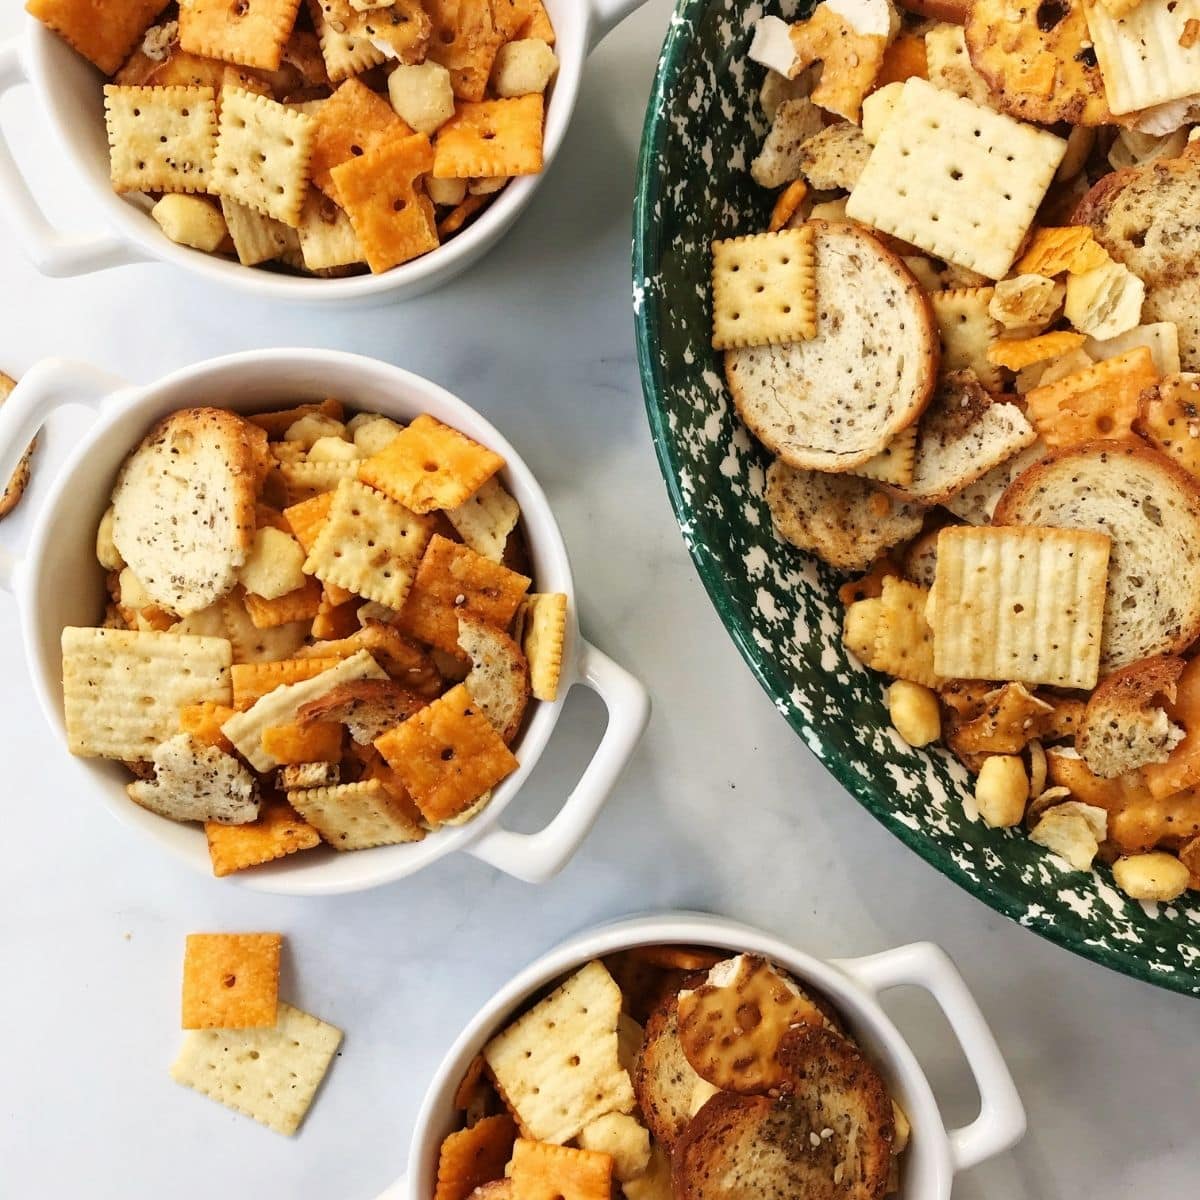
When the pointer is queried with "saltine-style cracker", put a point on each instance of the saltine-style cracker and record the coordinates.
(956, 179)
(1021, 604)
(764, 289)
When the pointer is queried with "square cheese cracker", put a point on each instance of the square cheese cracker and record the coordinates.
(1019, 604)
(956, 179)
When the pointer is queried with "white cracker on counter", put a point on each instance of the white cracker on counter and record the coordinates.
(271, 1074)
(956, 179)
(1141, 61)
(557, 1066)
(279, 707)
(1016, 603)
(123, 689)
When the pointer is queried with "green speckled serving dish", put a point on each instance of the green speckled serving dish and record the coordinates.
(781, 608)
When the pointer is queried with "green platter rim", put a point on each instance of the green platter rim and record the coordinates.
(647, 312)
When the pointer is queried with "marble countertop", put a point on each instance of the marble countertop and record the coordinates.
(721, 809)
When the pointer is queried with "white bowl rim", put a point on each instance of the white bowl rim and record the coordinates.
(138, 231)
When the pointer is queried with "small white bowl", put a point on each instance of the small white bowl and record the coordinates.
(58, 583)
(70, 94)
(934, 1156)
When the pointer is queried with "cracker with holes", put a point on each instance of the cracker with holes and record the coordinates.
(967, 330)
(161, 139)
(231, 980)
(250, 33)
(764, 289)
(852, 59)
(123, 689)
(543, 635)
(448, 756)
(386, 201)
(263, 155)
(970, 180)
(354, 121)
(1020, 604)
(277, 833)
(429, 466)
(485, 520)
(491, 139)
(1099, 402)
(345, 53)
(369, 544)
(400, 28)
(472, 1157)
(106, 42)
(731, 1025)
(557, 1065)
(540, 1171)
(358, 816)
(269, 1074)
(465, 41)
(1169, 419)
(451, 581)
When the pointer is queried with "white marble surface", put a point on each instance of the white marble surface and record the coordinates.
(722, 808)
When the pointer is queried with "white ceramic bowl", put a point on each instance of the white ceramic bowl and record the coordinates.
(70, 96)
(57, 582)
(935, 1154)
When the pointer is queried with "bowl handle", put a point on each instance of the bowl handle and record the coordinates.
(52, 252)
(536, 857)
(50, 384)
(606, 16)
(1001, 1120)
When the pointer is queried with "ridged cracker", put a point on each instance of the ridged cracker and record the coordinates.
(352, 122)
(492, 138)
(252, 681)
(304, 480)
(472, 1157)
(161, 139)
(280, 706)
(271, 1074)
(369, 544)
(543, 624)
(299, 605)
(356, 816)
(448, 756)
(256, 238)
(277, 833)
(764, 289)
(231, 980)
(401, 25)
(253, 645)
(123, 690)
(558, 1065)
(251, 33)
(345, 53)
(386, 201)
(1099, 402)
(903, 638)
(544, 1172)
(429, 465)
(263, 153)
(105, 41)
(1020, 604)
(327, 238)
(893, 464)
(485, 520)
(958, 180)
(1140, 55)
(465, 41)
(967, 330)
(454, 579)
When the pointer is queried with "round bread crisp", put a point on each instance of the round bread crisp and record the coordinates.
(663, 1080)
(1145, 217)
(827, 1134)
(1151, 510)
(15, 488)
(845, 520)
(184, 506)
(836, 400)
(1037, 59)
